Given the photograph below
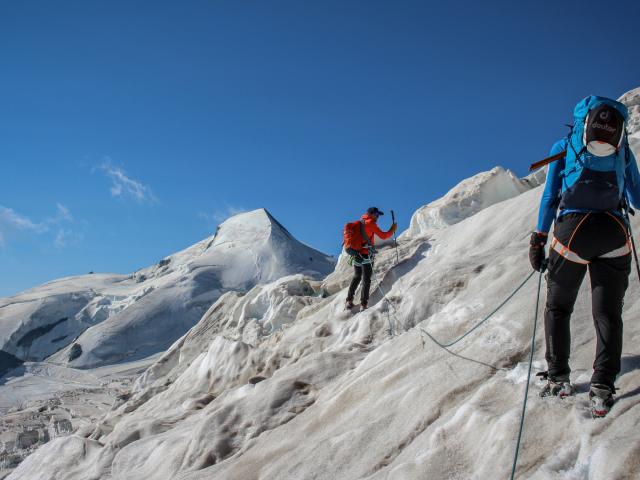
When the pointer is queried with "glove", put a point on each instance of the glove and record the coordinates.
(536, 251)
(393, 228)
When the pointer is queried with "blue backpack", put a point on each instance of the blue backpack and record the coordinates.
(596, 157)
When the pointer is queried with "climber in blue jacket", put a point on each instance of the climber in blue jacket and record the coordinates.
(585, 194)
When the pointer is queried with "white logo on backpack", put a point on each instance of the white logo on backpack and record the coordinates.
(604, 115)
(603, 126)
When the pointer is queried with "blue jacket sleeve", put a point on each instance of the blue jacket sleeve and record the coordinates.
(632, 181)
(551, 195)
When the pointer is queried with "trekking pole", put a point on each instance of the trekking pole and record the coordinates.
(628, 210)
(395, 243)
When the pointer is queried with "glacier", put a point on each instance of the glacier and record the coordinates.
(279, 382)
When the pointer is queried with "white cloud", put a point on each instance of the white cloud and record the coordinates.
(12, 222)
(64, 213)
(61, 238)
(124, 186)
(65, 238)
(219, 216)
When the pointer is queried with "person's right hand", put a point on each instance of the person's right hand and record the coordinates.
(393, 228)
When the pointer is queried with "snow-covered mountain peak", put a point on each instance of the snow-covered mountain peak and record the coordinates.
(248, 227)
(101, 319)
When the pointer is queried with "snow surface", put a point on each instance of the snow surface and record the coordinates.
(116, 317)
(281, 383)
(42, 401)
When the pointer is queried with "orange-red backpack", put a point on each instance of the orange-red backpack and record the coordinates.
(355, 238)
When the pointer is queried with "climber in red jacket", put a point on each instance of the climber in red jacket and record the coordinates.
(363, 259)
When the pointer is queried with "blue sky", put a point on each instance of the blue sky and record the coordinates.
(129, 129)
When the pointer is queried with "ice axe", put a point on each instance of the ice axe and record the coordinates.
(547, 161)
(395, 243)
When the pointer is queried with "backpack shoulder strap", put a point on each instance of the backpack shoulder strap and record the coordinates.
(364, 234)
(627, 156)
(626, 149)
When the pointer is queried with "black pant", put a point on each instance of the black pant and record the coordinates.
(367, 269)
(589, 235)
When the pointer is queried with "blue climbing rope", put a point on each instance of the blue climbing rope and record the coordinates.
(384, 297)
(526, 390)
(446, 346)
(484, 320)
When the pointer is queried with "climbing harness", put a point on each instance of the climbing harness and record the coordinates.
(572, 256)
(360, 260)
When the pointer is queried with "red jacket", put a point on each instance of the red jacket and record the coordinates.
(372, 229)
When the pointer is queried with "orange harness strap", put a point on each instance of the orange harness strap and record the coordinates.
(566, 252)
(574, 257)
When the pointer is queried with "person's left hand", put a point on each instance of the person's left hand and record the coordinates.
(536, 251)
